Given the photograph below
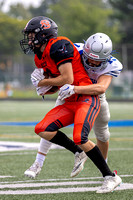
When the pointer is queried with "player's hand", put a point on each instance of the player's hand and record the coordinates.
(66, 91)
(36, 76)
(59, 102)
(43, 90)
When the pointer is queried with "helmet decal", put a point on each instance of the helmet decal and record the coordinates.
(93, 55)
(45, 24)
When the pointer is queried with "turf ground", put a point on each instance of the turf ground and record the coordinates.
(54, 182)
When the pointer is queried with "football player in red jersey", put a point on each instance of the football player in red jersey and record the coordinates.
(59, 57)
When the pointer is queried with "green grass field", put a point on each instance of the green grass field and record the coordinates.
(54, 182)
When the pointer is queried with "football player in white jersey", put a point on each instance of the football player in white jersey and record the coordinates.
(101, 68)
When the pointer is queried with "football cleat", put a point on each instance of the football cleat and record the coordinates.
(33, 171)
(80, 159)
(109, 184)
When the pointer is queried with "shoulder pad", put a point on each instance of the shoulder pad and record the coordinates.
(61, 50)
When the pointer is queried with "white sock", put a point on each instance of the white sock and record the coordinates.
(106, 160)
(40, 159)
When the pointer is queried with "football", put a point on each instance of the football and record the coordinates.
(53, 90)
(46, 75)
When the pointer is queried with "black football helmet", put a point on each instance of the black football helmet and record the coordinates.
(44, 29)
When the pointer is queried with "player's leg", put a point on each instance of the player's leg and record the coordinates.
(43, 149)
(80, 156)
(103, 146)
(36, 167)
(48, 128)
(111, 180)
(60, 117)
(101, 128)
(87, 117)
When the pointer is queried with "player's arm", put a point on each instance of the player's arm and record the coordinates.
(65, 77)
(94, 89)
(100, 87)
(62, 54)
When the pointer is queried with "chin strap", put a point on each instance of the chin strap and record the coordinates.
(43, 97)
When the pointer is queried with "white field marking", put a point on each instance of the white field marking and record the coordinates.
(52, 180)
(25, 153)
(61, 179)
(18, 153)
(6, 176)
(13, 153)
(17, 146)
(124, 186)
(28, 185)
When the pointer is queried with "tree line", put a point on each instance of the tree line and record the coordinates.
(76, 19)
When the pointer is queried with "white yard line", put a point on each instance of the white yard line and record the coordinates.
(6, 146)
(17, 146)
(28, 185)
(8, 186)
(124, 186)
(54, 180)
(7, 176)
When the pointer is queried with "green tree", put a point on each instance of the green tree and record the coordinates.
(43, 9)
(123, 12)
(19, 11)
(78, 19)
(10, 34)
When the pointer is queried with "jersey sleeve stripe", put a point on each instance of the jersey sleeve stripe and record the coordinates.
(112, 74)
(64, 61)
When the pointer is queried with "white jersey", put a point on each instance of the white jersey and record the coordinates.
(112, 68)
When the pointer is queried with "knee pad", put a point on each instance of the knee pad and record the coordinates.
(103, 134)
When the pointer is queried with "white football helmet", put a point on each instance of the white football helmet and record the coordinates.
(98, 47)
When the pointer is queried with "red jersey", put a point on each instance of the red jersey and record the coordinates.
(58, 51)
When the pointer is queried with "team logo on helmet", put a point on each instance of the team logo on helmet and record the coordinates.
(93, 55)
(45, 24)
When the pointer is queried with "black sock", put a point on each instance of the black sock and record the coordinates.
(61, 139)
(97, 158)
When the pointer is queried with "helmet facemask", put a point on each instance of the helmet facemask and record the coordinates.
(38, 39)
(94, 66)
(24, 43)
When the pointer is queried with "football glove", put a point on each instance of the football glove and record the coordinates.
(36, 76)
(59, 102)
(42, 90)
(66, 91)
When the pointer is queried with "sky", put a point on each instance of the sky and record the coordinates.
(25, 2)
